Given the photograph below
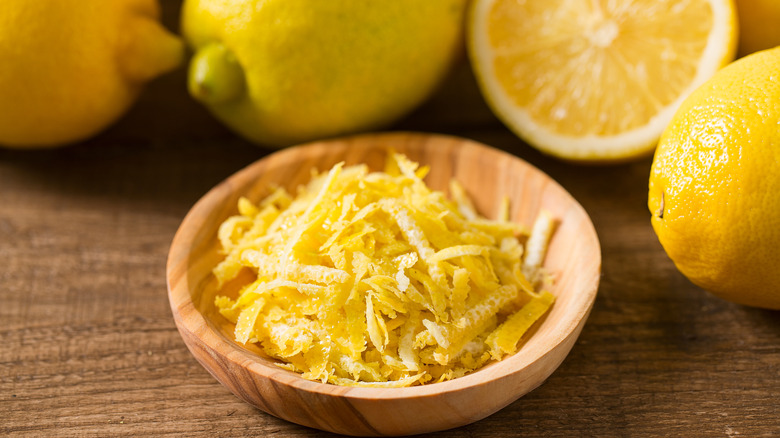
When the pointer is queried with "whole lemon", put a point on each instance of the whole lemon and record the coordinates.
(759, 25)
(286, 71)
(715, 183)
(69, 68)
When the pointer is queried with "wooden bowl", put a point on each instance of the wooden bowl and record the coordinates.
(574, 256)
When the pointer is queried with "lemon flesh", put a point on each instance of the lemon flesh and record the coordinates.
(595, 80)
(70, 69)
(296, 70)
(714, 189)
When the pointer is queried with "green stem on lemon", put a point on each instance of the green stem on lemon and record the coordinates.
(215, 76)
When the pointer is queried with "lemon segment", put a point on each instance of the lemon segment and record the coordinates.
(595, 80)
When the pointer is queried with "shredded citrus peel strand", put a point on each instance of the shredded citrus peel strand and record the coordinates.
(373, 279)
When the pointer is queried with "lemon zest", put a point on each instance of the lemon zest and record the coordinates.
(372, 279)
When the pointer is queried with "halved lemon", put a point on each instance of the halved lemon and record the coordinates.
(596, 80)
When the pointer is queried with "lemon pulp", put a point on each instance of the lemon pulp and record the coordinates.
(596, 80)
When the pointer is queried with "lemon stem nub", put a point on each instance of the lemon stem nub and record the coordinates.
(660, 213)
(148, 50)
(215, 76)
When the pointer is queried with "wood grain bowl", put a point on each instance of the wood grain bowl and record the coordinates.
(574, 257)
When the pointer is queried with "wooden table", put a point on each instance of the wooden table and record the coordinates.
(88, 346)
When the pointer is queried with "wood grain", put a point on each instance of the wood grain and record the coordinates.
(488, 175)
(88, 345)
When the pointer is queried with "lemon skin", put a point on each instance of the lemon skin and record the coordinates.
(71, 68)
(281, 72)
(714, 190)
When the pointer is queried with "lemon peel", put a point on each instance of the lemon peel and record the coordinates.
(363, 279)
(71, 69)
(282, 72)
(714, 185)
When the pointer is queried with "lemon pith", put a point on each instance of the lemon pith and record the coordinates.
(714, 189)
(595, 80)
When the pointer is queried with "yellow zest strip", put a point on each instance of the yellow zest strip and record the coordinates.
(505, 338)
(536, 247)
(458, 251)
(293, 270)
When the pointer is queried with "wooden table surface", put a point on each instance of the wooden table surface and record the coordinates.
(88, 346)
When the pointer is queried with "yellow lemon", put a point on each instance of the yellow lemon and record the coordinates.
(287, 71)
(715, 183)
(759, 25)
(69, 68)
(595, 80)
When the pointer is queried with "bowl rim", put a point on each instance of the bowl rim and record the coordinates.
(197, 326)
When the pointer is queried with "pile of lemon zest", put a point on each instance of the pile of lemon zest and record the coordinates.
(373, 279)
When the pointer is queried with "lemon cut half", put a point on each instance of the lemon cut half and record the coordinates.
(596, 80)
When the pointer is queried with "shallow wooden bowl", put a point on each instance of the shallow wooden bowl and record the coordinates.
(574, 257)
